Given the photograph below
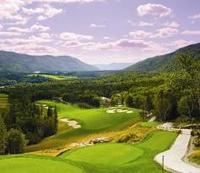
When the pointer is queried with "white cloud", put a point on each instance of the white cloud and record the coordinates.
(45, 35)
(165, 32)
(123, 44)
(17, 29)
(68, 36)
(67, 1)
(172, 24)
(194, 17)
(10, 34)
(106, 38)
(1, 27)
(182, 43)
(141, 23)
(97, 26)
(191, 32)
(157, 10)
(39, 28)
(140, 34)
(9, 11)
(45, 11)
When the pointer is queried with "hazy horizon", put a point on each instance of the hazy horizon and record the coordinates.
(99, 31)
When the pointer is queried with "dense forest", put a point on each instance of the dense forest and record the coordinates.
(167, 95)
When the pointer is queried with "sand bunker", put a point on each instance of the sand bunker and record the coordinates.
(117, 110)
(72, 123)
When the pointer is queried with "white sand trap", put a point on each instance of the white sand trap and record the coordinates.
(166, 126)
(119, 110)
(110, 111)
(71, 123)
(129, 112)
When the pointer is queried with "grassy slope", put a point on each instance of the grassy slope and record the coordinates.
(123, 158)
(102, 158)
(93, 121)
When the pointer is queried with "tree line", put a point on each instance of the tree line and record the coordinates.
(25, 123)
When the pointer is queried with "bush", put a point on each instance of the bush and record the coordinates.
(196, 142)
(196, 132)
(15, 141)
(128, 138)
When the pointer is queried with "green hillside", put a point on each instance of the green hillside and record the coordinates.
(14, 62)
(163, 62)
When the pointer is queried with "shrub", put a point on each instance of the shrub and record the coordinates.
(196, 142)
(15, 141)
(128, 138)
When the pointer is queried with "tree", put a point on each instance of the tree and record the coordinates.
(3, 132)
(148, 104)
(188, 107)
(186, 81)
(15, 141)
(165, 107)
(129, 101)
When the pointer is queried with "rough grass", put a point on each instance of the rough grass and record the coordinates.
(195, 156)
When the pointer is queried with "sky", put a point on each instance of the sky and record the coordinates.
(99, 31)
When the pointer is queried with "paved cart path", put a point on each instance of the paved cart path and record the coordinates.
(173, 158)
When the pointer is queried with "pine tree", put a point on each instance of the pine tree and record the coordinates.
(3, 132)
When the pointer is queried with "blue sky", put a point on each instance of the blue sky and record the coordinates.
(99, 31)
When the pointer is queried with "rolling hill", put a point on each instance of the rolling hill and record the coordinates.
(163, 62)
(15, 62)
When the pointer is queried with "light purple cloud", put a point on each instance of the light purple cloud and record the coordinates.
(157, 10)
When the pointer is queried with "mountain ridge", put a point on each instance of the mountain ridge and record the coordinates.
(163, 62)
(17, 62)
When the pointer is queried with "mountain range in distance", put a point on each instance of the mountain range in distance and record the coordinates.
(23, 63)
(112, 66)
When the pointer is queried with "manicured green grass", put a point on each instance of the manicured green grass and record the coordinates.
(113, 154)
(100, 158)
(92, 121)
(36, 165)
(123, 158)
(149, 124)
(55, 77)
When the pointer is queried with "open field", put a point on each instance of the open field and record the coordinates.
(100, 158)
(92, 121)
(55, 77)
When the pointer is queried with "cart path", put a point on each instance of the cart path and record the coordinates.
(173, 158)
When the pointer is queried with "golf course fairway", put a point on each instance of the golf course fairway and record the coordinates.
(123, 158)
(99, 158)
